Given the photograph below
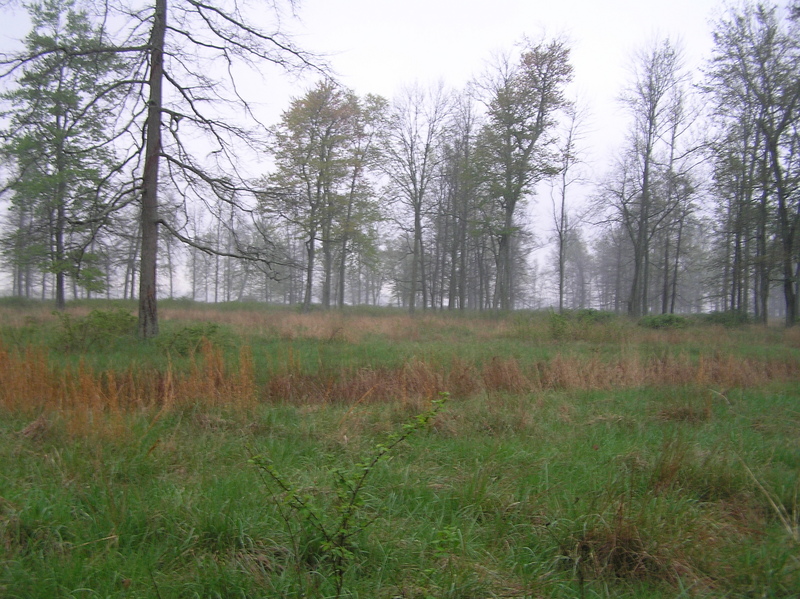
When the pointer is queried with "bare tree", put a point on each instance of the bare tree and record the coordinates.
(650, 98)
(411, 152)
(187, 111)
(569, 160)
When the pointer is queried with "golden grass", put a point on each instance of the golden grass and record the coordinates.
(352, 328)
(30, 384)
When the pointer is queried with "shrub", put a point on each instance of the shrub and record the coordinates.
(727, 318)
(187, 340)
(664, 321)
(96, 331)
(17, 302)
(559, 326)
(592, 316)
(329, 529)
(580, 324)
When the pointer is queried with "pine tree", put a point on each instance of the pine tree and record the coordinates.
(58, 146)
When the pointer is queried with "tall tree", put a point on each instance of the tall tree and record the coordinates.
(357, 227)
(57, 140)
(754, 72)
(181, 106)
(522, 100)
(411, 150)
(650, 99)
(568, 161)
(322, 147)
(217, 33)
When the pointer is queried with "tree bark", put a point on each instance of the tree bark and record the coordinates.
(148, 308)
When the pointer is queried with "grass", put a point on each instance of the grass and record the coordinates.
(641, 463)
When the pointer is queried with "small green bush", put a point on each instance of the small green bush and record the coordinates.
(187, 340)
(664, 321)
(579, 324)
(592, 316)
(14, 301)
(559, 326)
(96, 331)
(328, 529)
(727, 318)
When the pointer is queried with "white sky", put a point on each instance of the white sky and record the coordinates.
(377, 46)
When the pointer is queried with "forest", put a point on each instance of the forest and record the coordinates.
(135, 166)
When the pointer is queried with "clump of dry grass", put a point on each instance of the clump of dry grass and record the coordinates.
(289, 324)
(30, 385)
(792, 337)
(505, 375)
(421, 379)
(636, 542)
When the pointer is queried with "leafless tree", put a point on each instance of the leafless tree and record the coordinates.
(411, 154)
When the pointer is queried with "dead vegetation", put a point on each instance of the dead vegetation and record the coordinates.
(30, 383)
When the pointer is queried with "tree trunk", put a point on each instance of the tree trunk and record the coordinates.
(503, 299)
(310, 254)
(61, 217)
(148, 308)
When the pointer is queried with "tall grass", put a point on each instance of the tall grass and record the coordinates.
(30, 382)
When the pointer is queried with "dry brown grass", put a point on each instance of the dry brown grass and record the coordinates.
(30, 385)
(352, 328)
(631, 541)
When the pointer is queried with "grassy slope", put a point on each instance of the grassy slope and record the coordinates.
(517, 490)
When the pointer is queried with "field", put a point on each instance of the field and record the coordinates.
(251, 451)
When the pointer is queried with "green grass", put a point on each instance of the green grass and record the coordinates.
(674, 490)
(605, 494)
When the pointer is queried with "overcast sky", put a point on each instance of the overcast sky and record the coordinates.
(377, 46)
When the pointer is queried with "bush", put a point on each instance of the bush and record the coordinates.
(96, 331)
(329, 528)
(559, 326)
(16, 302)
(664, 321)
(579, 324)
(187, 340)
(592, 316)
(727, 318)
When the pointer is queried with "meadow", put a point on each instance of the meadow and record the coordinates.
(253, 451)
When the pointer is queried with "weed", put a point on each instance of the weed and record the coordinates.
(328, 532)
(590, 315)
(598, 465)
(559, 326)
(789, 518)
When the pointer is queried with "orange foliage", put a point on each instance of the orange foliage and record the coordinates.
(31, 385)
